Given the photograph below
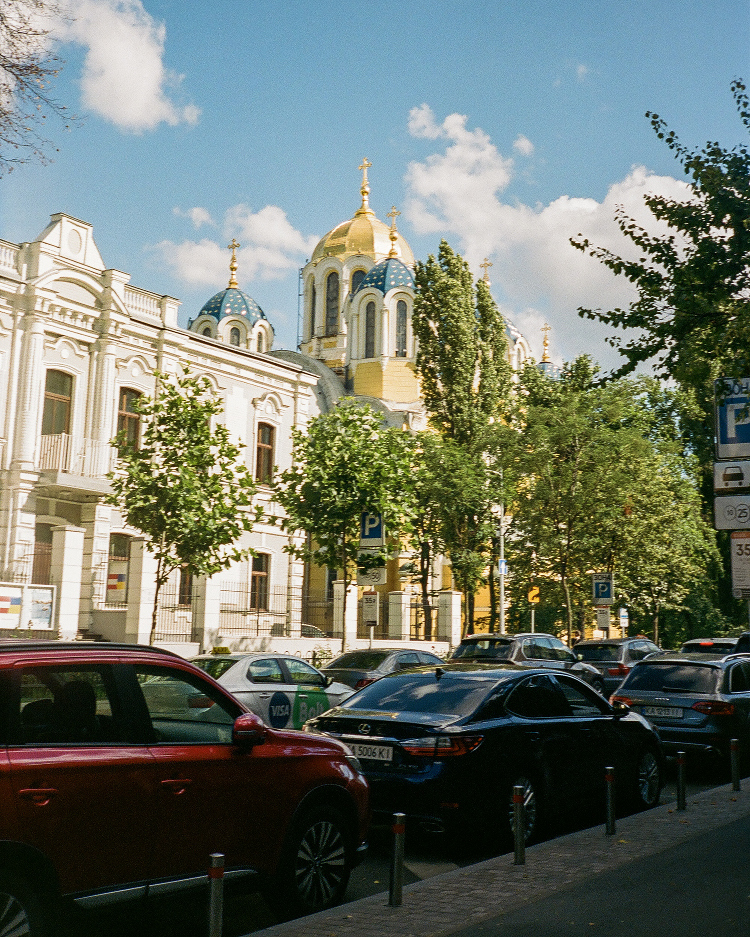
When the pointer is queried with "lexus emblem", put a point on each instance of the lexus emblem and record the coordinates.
(364, 728)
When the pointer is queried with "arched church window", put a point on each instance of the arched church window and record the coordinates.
(357, 278)
(332, 303)
(401, 329)
(234, 336)
(207, 331)
(58, 394)
(313, 310)
(370, 330)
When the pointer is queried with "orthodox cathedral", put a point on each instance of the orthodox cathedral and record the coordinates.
(79, 345)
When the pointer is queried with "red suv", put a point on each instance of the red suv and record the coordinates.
(123, 768)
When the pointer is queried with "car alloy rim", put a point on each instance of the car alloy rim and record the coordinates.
(14, 921)
(529, 807)
(321, 863)
(648, 778)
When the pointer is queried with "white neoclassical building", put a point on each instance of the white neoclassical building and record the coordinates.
(78, 344)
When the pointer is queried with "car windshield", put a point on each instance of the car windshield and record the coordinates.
(215, 666)
(675, 677)
(359, 660)
(494, 648)
(451, 695)
(602, 652)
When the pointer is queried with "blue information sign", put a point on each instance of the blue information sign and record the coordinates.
(733, 419)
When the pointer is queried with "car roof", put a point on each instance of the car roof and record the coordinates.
(24, 645)
(686, 657)
(496, 636)
(248, 655)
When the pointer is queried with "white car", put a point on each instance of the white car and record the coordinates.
(285, 691)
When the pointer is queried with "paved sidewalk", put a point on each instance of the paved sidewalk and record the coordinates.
(588, 873)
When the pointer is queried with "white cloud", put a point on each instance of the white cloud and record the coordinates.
(582, 72)
(198, 216)
(124, 78)
(536, 272)
(270, 249)
(523, 145)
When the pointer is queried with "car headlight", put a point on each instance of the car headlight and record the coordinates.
(355, 763)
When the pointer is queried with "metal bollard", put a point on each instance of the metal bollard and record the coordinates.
(609, 777)
(680, 780)
(397, 860)
(519, 825)
(734, 751)
(216, 895)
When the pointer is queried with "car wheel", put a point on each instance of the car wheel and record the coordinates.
(532, 808)
(21, 911)
(648, 781)
(316, 865)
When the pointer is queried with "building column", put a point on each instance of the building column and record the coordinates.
(96, 519)
(141, 589)
(207, 612)
(31, 392)
(349, 627)
(19, 523)
(399, 616)
(66, 567)
(449, 617)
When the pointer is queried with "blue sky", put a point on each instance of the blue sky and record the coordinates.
(504, 127)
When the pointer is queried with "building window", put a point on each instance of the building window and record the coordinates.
(185, 587)
(357, 278)
(41, 564)
(234, 336)
(128, 419)
(332, 304)
(313, 311)
(58, 393)
(207, 331)
(370, 330)
(401, 329)
(259, 582)
(117, 569)
(264, 454)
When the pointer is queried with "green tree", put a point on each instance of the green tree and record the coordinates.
(183, 485)
(27, 69)
(606, 489)
(692, 315)
(465, 376)
(346, 463)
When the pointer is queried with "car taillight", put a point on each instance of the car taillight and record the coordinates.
(614, 698)
(619, 671)
(442, 746)
(365, 681)
(714, 707)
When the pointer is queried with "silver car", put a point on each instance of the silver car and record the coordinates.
(284, 690)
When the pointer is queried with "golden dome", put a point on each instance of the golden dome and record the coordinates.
(362, 234)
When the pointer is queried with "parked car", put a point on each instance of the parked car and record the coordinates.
(360, 667)
(614, 657)
(126, 767)
(447, 746)
(532, 649)
(698, 702)
(726, 644)
(284, 690)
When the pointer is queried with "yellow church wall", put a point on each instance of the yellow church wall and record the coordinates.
(395, 381)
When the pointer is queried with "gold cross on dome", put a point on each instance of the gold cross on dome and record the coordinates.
(546, 329)
(363, 169)
(486, 266)
(393, 215)
(233, 246)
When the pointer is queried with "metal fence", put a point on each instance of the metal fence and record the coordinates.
(175, 615)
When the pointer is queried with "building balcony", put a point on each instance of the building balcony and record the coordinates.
(75, 462)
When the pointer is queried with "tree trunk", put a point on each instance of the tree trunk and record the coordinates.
(425, 558)
(569, 610)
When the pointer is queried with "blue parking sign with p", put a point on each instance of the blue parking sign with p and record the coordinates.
(371, 530)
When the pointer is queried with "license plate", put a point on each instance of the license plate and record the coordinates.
(370, 752)
(662, 711)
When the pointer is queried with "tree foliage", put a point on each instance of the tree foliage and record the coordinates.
(27, 69)
(606, 490)
(344, 464)
(183, 485)
(692, 314)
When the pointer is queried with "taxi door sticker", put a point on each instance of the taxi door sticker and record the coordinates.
(309, 702)
(279, 710)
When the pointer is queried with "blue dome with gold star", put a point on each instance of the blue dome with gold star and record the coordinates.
(387, 275)
(232, 302)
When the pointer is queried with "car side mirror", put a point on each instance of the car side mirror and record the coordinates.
(327, 681)
(248, 730)
(620, 709)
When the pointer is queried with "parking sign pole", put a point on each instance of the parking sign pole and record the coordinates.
(397, 860)
(216, 895)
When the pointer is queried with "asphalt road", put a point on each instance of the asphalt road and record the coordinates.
(426, 855)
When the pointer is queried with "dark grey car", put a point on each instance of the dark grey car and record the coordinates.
(360, 667)
(698, 702)
(532, 649)
(614, 657)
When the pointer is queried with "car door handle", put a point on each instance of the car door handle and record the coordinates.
(177, 785)
(264, 695)
(40, 796)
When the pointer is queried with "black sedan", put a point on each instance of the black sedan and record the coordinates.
(446, 747)
(364, 665)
